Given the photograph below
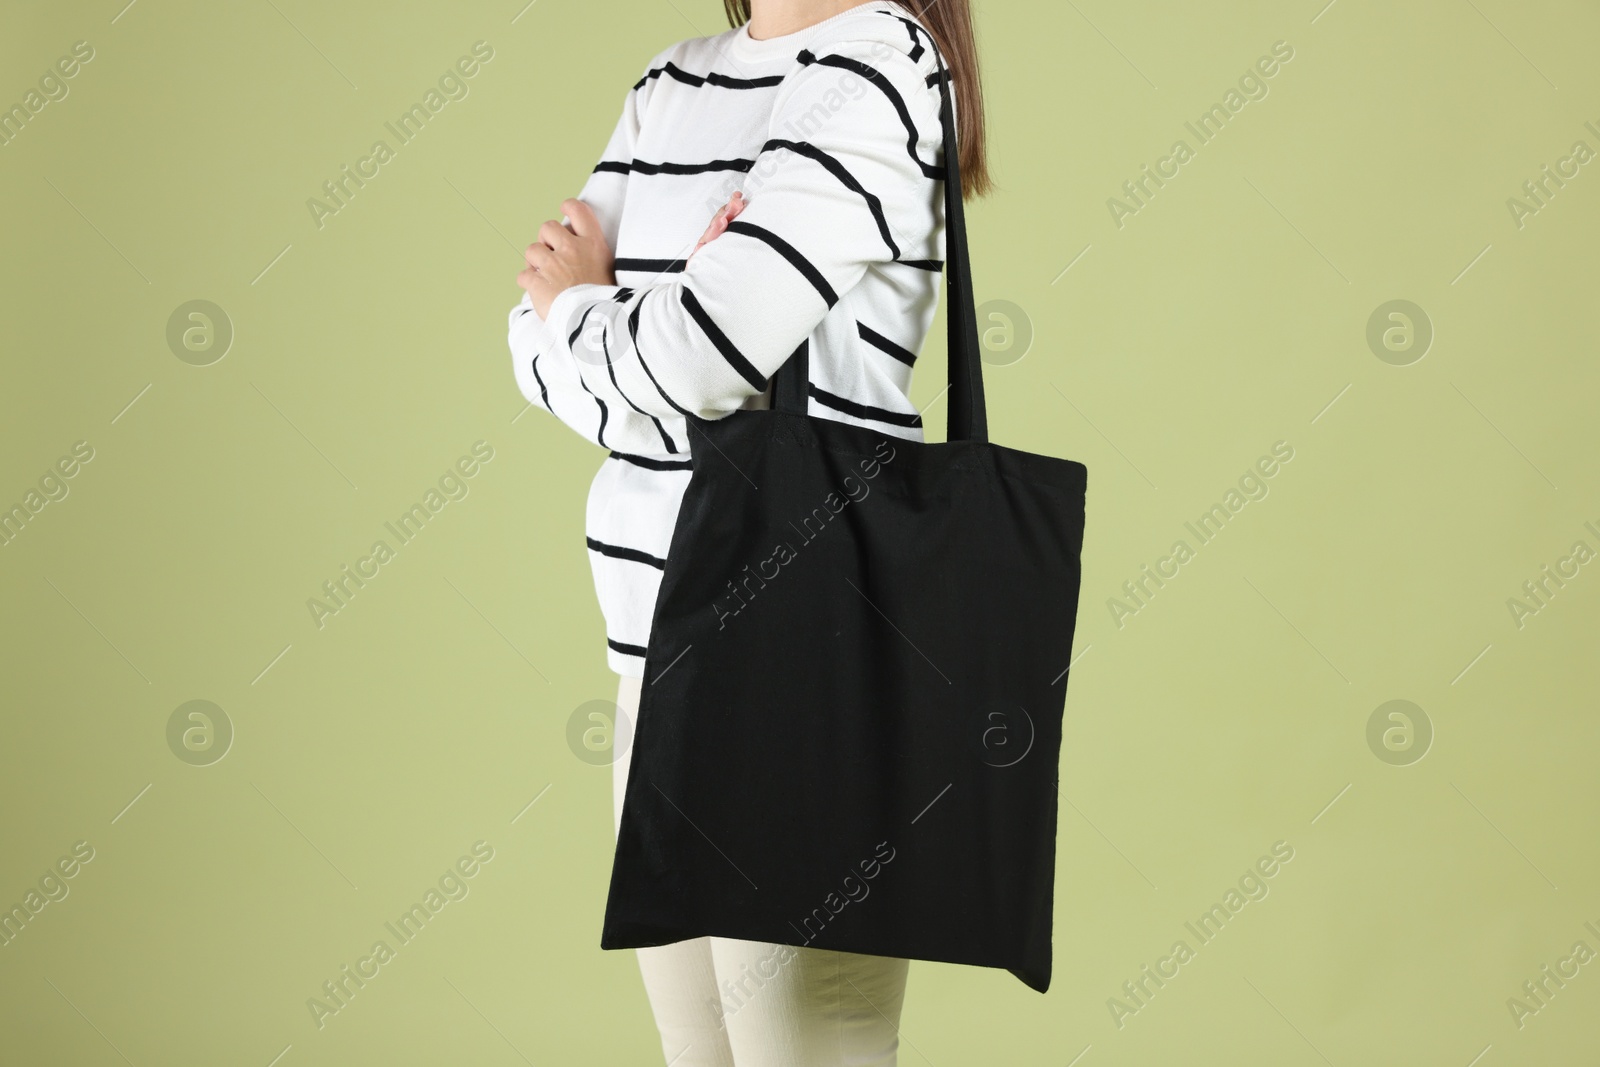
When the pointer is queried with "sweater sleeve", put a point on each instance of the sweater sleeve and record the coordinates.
(542, 366)
(848, 179)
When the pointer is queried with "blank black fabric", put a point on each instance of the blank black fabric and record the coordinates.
(850, 723)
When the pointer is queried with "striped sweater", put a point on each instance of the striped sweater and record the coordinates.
(833, 135)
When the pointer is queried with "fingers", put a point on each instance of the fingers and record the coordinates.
(555, 235)
(566, 254)
(711, 232)
(584, 223)
(541, 292)
(729, 211)
(719, 222)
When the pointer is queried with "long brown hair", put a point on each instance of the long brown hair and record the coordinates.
(950, 23)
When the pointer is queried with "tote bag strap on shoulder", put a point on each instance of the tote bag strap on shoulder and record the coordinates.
(966, 419)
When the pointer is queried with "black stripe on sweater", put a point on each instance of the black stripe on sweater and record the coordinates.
(572, 339)
(730, 352)
(650, 266)
(934, 265)
(883, 344)
(721, 81)
(790, 253)
(542, 390)
(650, 463)
(911, 28)
(621, 552)
(888, 90)
(633, 335)
(611, 369)
(848, 180)
(600, 433)
(639, 166)
(864, 411)
(632, 650)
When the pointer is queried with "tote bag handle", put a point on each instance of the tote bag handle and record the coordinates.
(966, 418)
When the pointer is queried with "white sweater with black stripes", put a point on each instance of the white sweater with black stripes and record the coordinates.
(833, 135)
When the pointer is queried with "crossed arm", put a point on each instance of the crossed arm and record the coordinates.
(847, 172)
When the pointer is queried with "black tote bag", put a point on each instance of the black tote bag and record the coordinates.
(850, 724)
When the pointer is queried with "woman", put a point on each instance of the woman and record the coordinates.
(810, 136)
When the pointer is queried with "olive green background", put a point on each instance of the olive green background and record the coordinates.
(1229, 713)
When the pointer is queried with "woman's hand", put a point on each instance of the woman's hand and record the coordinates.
(565, 256)
(719, 222)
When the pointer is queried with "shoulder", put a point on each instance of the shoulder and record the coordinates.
(877, 50)
(881, 43)
(881, 23)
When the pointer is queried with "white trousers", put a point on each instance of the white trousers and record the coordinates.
(721, 1002)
